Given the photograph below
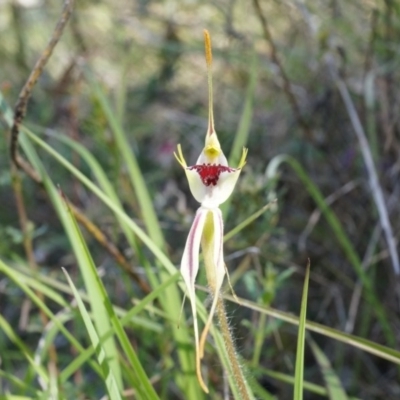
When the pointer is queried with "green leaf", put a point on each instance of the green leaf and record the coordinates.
(299, 368)
(243, 130)
(135, 175)
(24, 386)
(332, 381)
(377, 349)
(108, 318)
(108, 376)
(10, 272)
(281, 377)
(248, 221)
(13, 337)
(127, 317)
(109, 190)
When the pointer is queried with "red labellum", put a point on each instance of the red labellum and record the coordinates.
(209, 173)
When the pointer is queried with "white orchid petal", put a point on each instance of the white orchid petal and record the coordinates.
(218, 194)
(189, 269)
(197, 187)
(190, 258)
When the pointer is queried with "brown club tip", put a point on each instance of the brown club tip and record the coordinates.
(207, 45)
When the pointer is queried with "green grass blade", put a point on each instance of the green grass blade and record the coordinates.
(100, 176)
(289, 379)
(377, 349)
(35, 283)
(45, 285)
(332, 381)
(9, 271)
(101, 321)
(142, 383)
(13, 337)
(129, 316)
(299, 368)
(248, 221)
(110, 191)
(259, 390)
(85, 261)
(243, 130)
(15, 381)
(49, 334)
(152, 246)
(309, 386)
(135, 175)
(340, 235)
(109, 378)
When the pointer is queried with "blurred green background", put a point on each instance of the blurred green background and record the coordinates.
(278, 92)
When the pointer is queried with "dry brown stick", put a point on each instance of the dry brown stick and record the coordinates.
(108, 245)
(286, 83)
(20, 106)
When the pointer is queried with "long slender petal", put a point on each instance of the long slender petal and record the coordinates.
(189, 269)
(215, 271)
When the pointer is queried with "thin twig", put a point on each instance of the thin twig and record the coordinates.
(286, 83)
(377, 193)
(20, 106)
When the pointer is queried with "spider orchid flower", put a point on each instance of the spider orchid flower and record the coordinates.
(211, 181)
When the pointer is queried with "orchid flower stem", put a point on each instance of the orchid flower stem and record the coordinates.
(231, 351)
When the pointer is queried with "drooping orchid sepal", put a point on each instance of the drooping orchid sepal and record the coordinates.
(189, 269)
